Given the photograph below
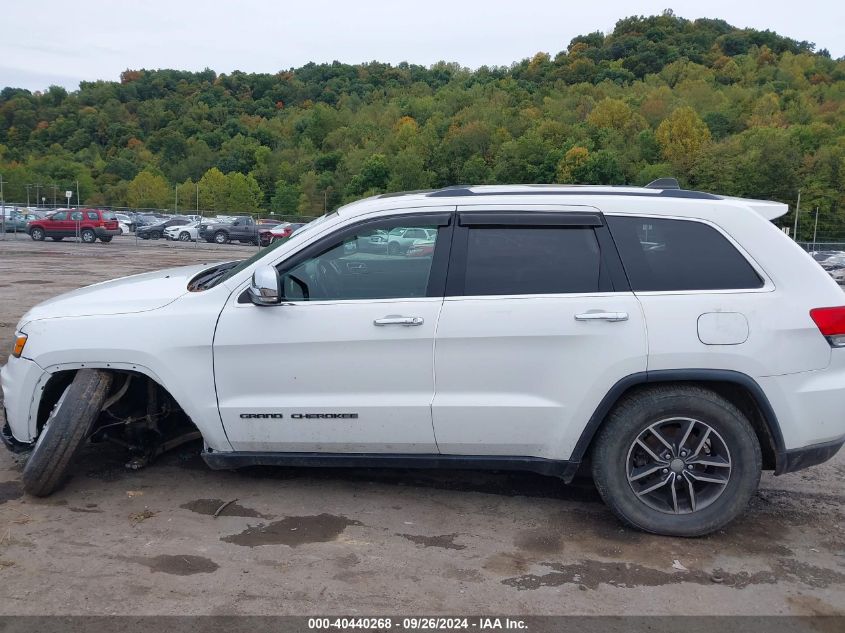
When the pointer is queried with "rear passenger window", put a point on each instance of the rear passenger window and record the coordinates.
(660, 254)
(92, 215)
(531, 260)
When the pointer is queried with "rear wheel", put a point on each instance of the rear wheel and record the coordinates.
(676, 460)
(37, 234)
(65, 431)
(88, 236)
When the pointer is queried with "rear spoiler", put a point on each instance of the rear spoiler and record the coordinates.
(768, 209)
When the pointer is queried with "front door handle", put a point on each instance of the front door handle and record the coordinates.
(602, 316)
(399, 320)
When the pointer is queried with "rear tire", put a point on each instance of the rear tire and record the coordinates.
(698, 428)
(88, 236)
(65, 431)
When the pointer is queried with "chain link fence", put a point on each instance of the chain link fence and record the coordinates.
(14, 218)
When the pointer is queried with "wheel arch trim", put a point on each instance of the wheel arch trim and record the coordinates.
(685, 375)
(202, 423)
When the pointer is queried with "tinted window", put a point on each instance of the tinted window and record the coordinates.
(76, 215)
(108, 215)
(92, 215)
(524, 260)
(663, 254)
(372, 264)
(61, 215)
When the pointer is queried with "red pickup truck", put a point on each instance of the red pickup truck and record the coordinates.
(88, 224)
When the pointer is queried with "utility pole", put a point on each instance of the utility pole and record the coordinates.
(54, 195)
(3, 206)
(797, 211)
(198, 198)
(37, 187)
(77, 194)
(815, 229)
(176, 200)
(27, 195)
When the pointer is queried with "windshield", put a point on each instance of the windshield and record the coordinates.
(228, 273)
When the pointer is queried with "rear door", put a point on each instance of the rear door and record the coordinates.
(537, 325)
(74, 226)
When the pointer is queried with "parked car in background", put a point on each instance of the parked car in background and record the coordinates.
(156, 231)
(240, 229)
(19, 220)
(145, 219)
(183, 232)
(88, 224)
(421, 248)
(125, 219)
(280, 232)
(268, 222)
(123, 229)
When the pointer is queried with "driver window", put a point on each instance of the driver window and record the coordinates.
(76, 215)
(381, 261)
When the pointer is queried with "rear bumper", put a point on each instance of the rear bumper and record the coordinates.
(800, 458)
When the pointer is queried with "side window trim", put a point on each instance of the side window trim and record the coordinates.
(440, 259)
(528, 218)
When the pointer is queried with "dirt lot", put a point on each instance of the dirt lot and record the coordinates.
(366, 541)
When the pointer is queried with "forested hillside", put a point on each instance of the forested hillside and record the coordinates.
(734, 111)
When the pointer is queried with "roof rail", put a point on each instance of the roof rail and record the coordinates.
(659, 192)
(663, 183)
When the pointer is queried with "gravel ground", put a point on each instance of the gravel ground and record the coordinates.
(361, 541)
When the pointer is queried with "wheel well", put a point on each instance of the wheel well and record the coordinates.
(143, 387)
(737, 394)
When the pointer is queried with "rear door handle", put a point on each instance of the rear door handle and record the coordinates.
(399, 320)
(602, 316)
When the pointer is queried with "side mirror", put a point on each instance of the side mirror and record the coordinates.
(264, 289)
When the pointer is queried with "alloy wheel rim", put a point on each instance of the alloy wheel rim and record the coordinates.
(678, 465)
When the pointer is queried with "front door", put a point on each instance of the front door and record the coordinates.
(538, 324)
(346, 364)
(59, 225)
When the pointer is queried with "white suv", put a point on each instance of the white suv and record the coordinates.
(676, 342)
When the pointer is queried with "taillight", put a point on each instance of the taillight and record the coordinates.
(831, 323)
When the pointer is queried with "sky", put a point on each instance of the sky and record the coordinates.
(59, 42)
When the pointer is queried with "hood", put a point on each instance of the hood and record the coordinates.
(138, 293)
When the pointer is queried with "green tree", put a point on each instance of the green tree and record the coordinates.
(148, 190)
(214, 191)
(682, 136)
(286, 199)
(243, 193)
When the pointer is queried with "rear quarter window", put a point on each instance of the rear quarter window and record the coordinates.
(665, 255)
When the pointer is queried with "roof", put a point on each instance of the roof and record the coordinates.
(661, 188)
